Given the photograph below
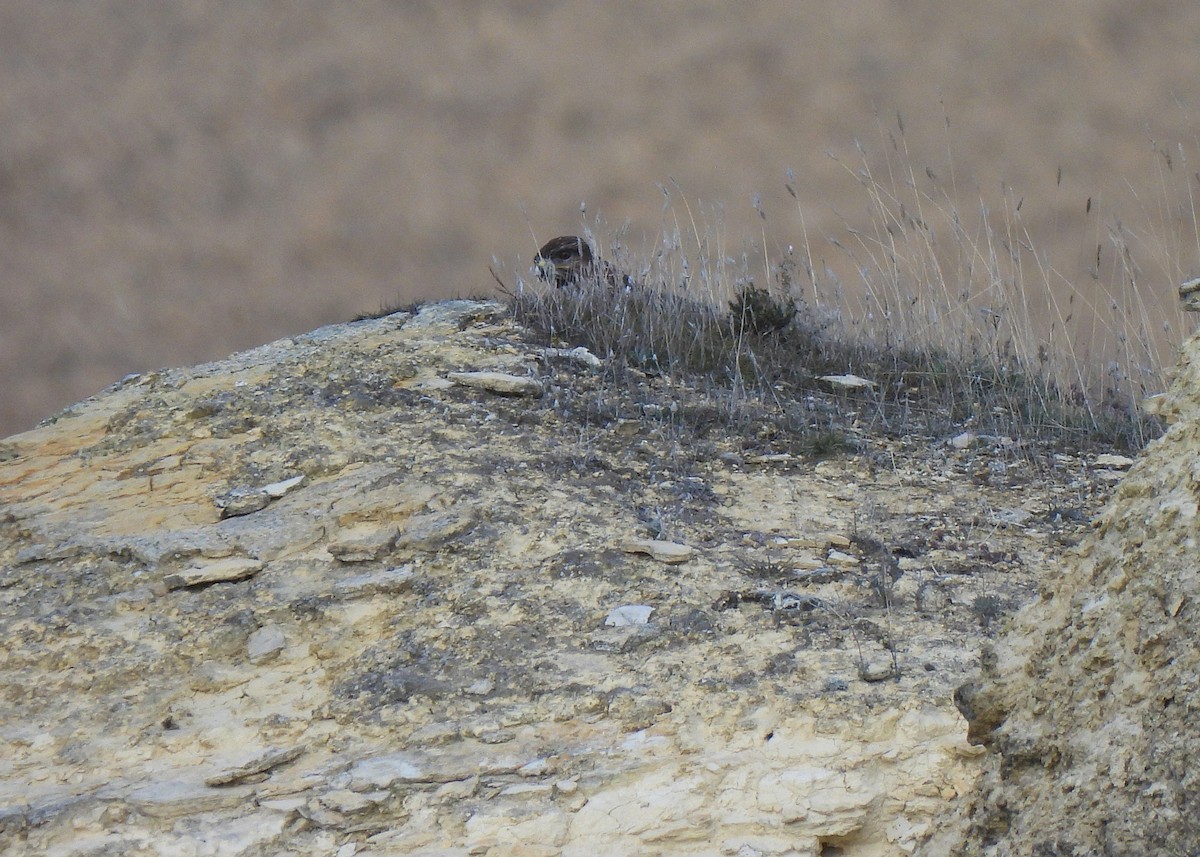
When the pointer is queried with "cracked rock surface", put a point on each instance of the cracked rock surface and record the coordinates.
(323, 597)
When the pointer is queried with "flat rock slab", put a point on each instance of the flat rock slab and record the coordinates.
(425, 611)
(388, 581)
(265, 643)
(628, 614)
(846, 382)
(363, 542)
(260, 764)
(180, 798)
(219, 571)
(499, 383)
(432, 530)
(663, 551)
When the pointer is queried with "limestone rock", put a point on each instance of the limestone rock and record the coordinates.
(846, 382)
(498, 382)
(265, 643)
(363, 542)
(180, 798)
(1117, 462)
(1088, 703)
(663, 551)
(223, 570)
(1189, 295)
(387, 581)
(424, 613)
(628, 614)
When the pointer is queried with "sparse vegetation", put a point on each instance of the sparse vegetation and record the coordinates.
(757, 311)
(825, 443)
(957, 321)
(987, 609)
(388, 309)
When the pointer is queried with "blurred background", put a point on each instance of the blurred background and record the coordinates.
(182, 180)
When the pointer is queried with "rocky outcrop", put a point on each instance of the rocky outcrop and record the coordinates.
(415, 585)
(1090, 703)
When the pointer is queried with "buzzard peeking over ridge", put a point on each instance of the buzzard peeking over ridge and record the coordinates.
(565, 259)
(569, 260)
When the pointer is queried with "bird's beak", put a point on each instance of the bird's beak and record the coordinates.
(543, 269)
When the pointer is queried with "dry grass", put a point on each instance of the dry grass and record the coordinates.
(955, 316)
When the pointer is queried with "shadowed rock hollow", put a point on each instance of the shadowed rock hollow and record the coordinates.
(416, 585)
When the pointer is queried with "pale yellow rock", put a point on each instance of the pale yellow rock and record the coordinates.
(499, 382)
(433, 594)
(1086, 704)
(1119, 462)
(363, 542)
(224, 570)
(668, 552)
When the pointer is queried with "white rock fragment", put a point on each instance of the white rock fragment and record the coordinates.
(837, 557)
(774, 458)
(277, 489)
(1117, 462)
(321, 815)
(223, 570)
(481, 687)
(499, 382)
(537, 768)
(283, 804)
(964, 440)
(526, 789)
(876, 671)
(846, 382)
(265, 644)
(435, 384)
(579, 355)
(456, 790)
(346, 801)
(628, 614)
(668, 552)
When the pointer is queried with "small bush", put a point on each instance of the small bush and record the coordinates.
(757, 311)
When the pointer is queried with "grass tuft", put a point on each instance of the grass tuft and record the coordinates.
(956, 320)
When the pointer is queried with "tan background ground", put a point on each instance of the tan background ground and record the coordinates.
(180, 180)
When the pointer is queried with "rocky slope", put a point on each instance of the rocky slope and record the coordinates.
(400, 587)
(1089, 702)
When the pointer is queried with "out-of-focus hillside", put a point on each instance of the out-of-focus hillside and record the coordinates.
(180, 180)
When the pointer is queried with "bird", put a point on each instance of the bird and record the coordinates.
(570, 260)
(565, 260)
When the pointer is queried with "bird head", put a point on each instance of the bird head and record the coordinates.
(563, 260)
